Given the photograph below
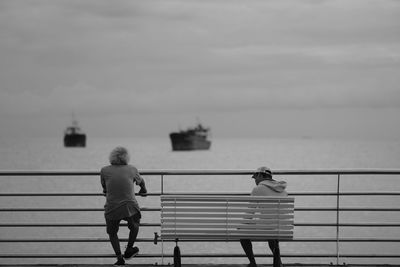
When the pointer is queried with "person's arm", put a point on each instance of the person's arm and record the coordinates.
(143, 189)
(103, 183)
(250, 214)
(140, 182)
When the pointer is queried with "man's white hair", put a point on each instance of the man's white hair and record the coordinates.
(119, 156)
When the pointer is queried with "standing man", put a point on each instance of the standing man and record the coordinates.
(265, 186)
(118, 181)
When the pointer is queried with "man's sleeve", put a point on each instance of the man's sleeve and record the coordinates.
(136, 177)
(103, 182)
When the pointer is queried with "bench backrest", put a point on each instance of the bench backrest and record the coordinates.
(226, 217)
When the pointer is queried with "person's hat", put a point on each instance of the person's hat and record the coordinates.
(263, 170)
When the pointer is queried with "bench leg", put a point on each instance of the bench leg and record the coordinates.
(177, 256)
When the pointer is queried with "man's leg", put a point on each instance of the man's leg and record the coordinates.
(133, 225)
(112, 231)
(248, 249)
(274, 246)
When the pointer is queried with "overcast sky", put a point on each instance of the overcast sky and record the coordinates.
(284, 68)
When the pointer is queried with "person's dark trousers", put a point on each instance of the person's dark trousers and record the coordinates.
(273, 245)
(248, 249)
(112, 231)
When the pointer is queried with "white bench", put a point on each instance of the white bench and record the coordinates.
(188, 217)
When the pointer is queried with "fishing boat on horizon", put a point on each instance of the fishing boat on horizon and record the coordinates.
(191, 139)
(74, 136)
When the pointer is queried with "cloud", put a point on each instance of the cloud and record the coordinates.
(84, 99)
(152, 56)
(334, 54)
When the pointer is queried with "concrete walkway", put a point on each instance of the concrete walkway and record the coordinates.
(200, 265)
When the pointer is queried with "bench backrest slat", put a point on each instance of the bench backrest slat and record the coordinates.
(270, 209)
(226, 217)
(223, 221)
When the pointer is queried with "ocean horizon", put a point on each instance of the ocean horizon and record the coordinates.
(231, 154)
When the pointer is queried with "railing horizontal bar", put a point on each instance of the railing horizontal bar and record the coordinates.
(313, 240)
(62, 209)
(158, 225)
(70, 224)
(350, 224)
(289, 256)
(202, 172)
(20, 256)
(72, 194)
(158, 209)
(347, 209)
(382, 193)
(196, 256)
(68, 240)
(62, 194)
(291, 194)
(77, 240)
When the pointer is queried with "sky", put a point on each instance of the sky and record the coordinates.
(254, 68)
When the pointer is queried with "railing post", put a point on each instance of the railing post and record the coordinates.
(162, 241)
(162, 184)
(337, 218)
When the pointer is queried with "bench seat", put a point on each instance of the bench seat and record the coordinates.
(226, 217)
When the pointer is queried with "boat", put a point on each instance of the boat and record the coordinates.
(73, 136)
(191, 139)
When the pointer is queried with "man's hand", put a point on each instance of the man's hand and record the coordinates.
(143, 191)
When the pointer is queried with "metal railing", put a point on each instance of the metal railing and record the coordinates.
(162, 174)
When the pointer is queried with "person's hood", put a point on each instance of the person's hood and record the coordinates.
(277, 186)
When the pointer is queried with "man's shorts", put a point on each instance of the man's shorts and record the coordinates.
(113, 225)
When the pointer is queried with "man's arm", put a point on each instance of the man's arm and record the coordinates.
(103, 183)
(143, 189)
(140, 182)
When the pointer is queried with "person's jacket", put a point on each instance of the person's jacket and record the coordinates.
(270, 187)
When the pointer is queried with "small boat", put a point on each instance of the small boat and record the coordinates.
(73, 136)
(191, 139)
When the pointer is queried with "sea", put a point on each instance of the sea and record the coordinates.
(225, 154)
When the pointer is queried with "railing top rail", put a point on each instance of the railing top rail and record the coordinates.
(202, 172)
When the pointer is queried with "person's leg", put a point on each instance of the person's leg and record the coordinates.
(133, 225)
(248, 249)
(274, 246)
(112, 231)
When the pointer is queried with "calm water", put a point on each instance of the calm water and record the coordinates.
(282, 154)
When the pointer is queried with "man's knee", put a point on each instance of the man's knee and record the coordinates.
(134, 221)
(112, 231)
(133, 226)
(112, 227)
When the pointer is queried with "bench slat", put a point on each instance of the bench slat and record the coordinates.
(225, 198)
(224, 221)
(223, 215)
(233, 226)
(224, 205)
(222, 231)
(229, 237)
(229, 209)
